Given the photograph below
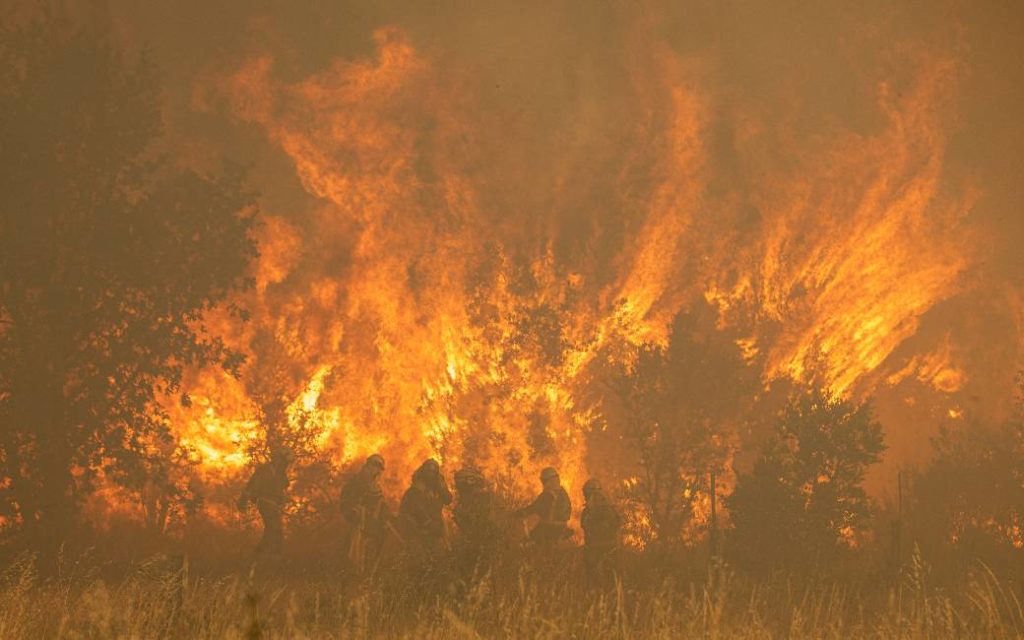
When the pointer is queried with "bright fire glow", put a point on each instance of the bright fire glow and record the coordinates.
(406, 312)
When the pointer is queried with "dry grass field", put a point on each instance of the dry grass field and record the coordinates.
(157, 599)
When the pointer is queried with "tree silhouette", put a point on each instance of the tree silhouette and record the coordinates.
(109, 256)
(679, 405)
(969, 501)
(804, 497)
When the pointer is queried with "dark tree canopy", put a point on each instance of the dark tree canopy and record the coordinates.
(804, 496)
(969, 502)
(681, 405)
(109, 257)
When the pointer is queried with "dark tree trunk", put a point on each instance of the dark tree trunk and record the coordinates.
(47, 496)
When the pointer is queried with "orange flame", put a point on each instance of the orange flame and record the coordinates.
(407, 316)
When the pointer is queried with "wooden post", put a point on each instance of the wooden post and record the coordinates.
(899, 493)
(714, 516)
(897, 525)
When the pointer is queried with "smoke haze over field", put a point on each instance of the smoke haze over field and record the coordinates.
(445, 188)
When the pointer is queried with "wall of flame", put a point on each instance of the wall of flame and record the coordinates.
(450, 240)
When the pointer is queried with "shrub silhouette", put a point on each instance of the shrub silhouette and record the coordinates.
(804, 498)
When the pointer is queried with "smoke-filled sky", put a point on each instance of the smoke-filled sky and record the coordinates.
(841, 182)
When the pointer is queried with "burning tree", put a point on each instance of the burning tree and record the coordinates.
(679, 405)
(804, 497)
(109, 255)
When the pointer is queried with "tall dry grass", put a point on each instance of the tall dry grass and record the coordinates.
(164, 599)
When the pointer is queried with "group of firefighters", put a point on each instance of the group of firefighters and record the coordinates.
(420, 526)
